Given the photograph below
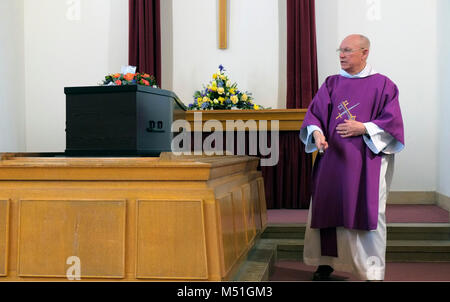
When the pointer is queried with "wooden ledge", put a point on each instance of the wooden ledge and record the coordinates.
(35, 166)
(290, 119)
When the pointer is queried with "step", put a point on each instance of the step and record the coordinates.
(396, 250)
(418, 231)
(404, 213)
(395, 231)
(418, 251)
(259, 263)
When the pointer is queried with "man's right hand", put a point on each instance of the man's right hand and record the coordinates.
(321, 142)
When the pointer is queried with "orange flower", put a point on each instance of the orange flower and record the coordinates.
(129, 77)
(146, 83)
(118, 82)
(146, 75)
(116, 75)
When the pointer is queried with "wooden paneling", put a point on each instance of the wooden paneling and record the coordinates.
(226, 232)
(249, 211)
(262, 202)
(171, 240)
(51, 231)
(239, 222)
(4, 227)
(124, 218)
(254, 189)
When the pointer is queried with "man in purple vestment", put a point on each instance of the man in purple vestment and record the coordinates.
(355, 122)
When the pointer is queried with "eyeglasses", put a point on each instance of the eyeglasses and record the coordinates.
(347, 51)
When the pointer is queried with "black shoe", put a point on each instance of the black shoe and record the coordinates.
(319, 277)
(324, 272)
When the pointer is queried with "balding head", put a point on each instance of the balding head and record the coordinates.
(356, 39)
(364, 42)
(354, 51)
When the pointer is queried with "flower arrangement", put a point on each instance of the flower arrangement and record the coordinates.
(222, 94)
(120, 79)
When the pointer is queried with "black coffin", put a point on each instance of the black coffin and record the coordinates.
(120, 120)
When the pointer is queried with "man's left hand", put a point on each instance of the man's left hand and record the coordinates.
(350, 128)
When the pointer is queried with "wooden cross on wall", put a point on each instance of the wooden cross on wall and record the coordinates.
(223, 24)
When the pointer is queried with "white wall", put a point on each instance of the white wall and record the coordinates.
(443, 129)
(12, 79)
(252, 56)
(62, 51)
(404, 40)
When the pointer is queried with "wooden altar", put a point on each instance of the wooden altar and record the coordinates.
(126, 219)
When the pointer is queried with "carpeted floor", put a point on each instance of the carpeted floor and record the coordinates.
(297, 271)
(394, 214)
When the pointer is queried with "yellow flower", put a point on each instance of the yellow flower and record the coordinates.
(234, 99)
(214, 88)
(221, 90)
(206, 99)
(215, 76)
(199, 100)
(223, 77)
(214, 83)
(232, 91)
(216, 101)
(256, 107)
(244, 97)
(228, 83)
(221, 100)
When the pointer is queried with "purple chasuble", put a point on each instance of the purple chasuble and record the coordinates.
(346, 177)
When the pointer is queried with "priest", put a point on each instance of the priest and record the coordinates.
(355, 123)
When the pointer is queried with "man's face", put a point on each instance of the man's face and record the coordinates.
(352, 57)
